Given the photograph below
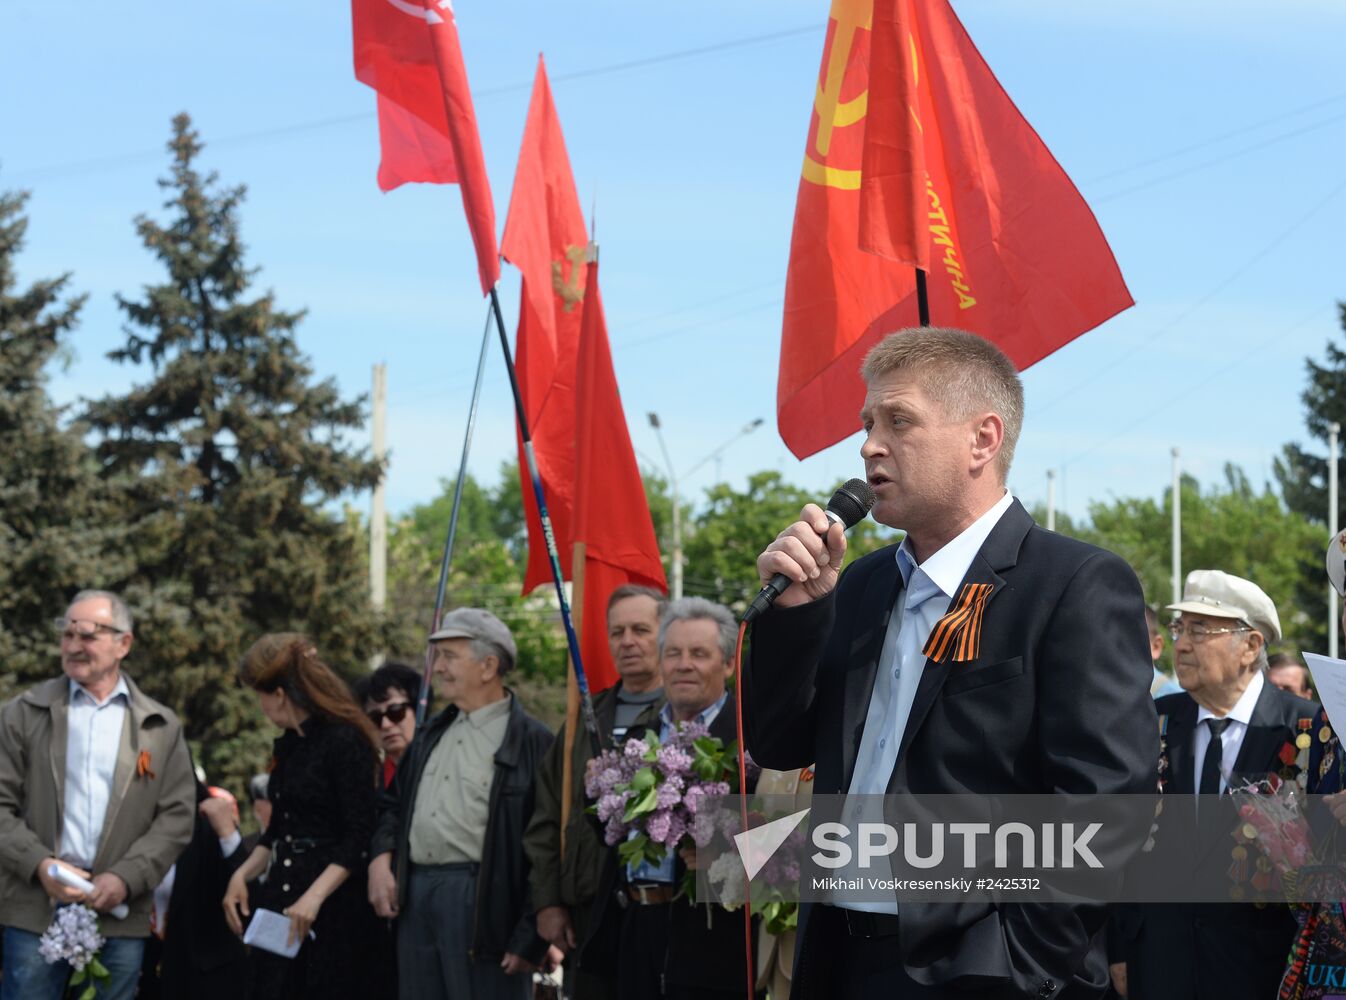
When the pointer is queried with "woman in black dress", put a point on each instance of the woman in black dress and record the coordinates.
(322, 791)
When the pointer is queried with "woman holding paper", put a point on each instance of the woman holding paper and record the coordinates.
(322, 791)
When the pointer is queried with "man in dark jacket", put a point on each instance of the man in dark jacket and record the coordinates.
(567, 870)
(448, 859)
(1035, 682)
(1227, 726)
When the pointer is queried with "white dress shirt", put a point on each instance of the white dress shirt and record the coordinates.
(1232, 740)
(928, 591)
(92, 742)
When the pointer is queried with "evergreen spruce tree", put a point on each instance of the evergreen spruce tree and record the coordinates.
(1303, 474)
(53, 531)
(228, 462)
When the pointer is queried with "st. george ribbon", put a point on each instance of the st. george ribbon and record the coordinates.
(848, 507)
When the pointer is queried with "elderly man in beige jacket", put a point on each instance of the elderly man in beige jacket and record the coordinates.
(94, 777)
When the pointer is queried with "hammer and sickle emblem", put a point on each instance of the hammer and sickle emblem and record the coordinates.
(851, 17)
(569, 291)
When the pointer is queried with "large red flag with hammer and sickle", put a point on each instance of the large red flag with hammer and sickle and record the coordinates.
(917, 157)
(545, 239)
(408, 51)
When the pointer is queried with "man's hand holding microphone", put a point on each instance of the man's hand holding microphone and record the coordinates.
(804, 561)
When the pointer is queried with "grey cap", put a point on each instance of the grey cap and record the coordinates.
(476, 623)
(1222, 595)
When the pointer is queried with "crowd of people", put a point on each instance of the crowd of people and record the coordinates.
(460, 858)
(404, 863)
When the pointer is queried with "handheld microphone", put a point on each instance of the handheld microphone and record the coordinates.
(848, 507)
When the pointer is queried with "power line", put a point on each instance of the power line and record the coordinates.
(1219, 287)
(1263, 144)
(1215, 140)
(281, 131)
(1257, 348)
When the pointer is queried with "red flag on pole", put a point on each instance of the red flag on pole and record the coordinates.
(916, 157)
(612, 515)
(408, 51)
(545, 239)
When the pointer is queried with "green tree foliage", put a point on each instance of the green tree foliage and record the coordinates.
(733, 527)
(227, 462)
(56, 529)
(489, 557)
(1232, 527)
(1302, 474)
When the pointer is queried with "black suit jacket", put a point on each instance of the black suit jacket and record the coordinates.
(1220, 951)
(1057, 701)
(199, 956)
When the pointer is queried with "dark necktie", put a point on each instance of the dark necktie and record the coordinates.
(1210, 764)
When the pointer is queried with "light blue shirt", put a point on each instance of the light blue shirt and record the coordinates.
(664, 871)
(95, 733)
(1163, 684)
(928, 590)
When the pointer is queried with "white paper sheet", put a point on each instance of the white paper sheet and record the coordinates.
(270, 931)
(1329, 682)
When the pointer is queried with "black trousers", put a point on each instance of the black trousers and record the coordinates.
(642, 965)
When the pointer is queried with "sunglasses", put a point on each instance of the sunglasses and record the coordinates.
(393, 713)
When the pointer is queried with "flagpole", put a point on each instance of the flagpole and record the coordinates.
(581, 681)
(922, 298)
(424, 700)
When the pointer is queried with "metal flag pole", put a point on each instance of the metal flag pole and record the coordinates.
(581, 681)
(922, 298)
(1333, 435)
(424, 700)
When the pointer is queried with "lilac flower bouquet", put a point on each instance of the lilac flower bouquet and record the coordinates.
(652, 796)
(73, 937)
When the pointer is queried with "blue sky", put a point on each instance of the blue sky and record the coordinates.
(1208, 137)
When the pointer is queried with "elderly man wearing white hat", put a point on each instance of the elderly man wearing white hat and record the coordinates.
(1227, 725)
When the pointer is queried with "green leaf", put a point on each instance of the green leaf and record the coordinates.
(644, 779)
(641, 804)
(79, 976)
(98, 969)
(89, 993)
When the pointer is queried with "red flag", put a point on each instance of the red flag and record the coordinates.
(545, 239)
(408, 51)
(612, 516)
(917, 157)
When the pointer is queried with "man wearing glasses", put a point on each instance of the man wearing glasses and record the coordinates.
(94, 777)
(1228, 725)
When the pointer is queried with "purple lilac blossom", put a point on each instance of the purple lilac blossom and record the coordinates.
(72, 937)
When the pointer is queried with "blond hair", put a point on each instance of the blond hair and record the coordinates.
(965, 374)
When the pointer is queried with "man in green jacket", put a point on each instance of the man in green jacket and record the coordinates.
(565, 881)
(94, 778)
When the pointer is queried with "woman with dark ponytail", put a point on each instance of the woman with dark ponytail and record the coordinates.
(322, 791)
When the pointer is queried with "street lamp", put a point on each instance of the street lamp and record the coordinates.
(676, 583)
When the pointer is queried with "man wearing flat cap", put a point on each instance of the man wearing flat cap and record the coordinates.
(1229, 725)
(448, 858)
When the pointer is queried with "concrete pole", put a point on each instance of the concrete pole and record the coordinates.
(1177, 527)
(675, 584)
(1051, 499)
(378, 517)
(1333, 436)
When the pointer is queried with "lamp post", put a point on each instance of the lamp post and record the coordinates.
(675, 584)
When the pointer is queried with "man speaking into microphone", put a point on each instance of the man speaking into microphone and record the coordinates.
(983, 655)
